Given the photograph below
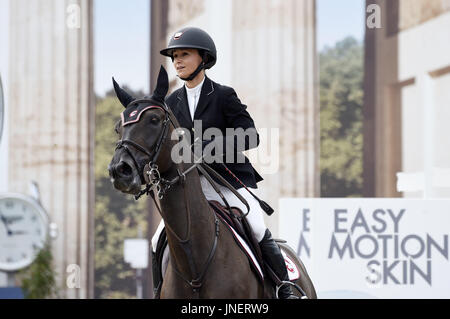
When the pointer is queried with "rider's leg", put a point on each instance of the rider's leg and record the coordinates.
(157, 280)
(254, 218)
(156, 268)
(272, 255)
(269, 248)
(156, 235)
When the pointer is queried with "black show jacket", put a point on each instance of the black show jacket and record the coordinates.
(219, 107)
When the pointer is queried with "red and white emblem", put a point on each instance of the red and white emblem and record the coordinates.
(177, 35)
(133, 113)
(291, 267)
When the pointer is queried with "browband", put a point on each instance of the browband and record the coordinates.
(134, 110)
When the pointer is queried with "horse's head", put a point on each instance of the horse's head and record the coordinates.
(143, 130)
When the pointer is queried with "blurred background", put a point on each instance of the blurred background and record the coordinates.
(358, 91)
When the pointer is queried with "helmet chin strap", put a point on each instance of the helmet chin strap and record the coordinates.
(194, 74)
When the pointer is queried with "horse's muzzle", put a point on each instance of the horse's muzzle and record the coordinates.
(123, 178)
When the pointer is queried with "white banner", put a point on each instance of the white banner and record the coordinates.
(371, 247)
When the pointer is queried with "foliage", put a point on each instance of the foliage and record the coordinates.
(341, 137)
(117, 216)
(38, 280)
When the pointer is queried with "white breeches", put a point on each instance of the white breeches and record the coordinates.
(254, 218)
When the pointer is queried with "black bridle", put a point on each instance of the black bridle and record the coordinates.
(150, 170)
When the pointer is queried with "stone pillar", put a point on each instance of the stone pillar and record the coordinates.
(158, 38)
(4, 88)
(52, 124)
(267, 52)
(158, 32)
(275, 73)
(369, 110)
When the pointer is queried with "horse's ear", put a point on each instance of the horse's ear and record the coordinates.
(162, 85)
(122, 95)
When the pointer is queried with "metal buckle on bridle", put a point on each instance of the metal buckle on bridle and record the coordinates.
(154, 178)
(153, 175)
(161, 190)
(119, 144)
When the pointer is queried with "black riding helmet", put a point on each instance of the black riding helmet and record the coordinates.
(193, 38)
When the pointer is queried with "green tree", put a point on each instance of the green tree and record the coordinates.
(117, 216)
(341, 137)
(38, 280)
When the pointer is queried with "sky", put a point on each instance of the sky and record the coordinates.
(121, 43)
(122, 28)
(337, 19)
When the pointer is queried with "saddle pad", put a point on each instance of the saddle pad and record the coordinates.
(292, 269)
(246, 249)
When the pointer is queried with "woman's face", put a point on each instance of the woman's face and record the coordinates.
(186, 61)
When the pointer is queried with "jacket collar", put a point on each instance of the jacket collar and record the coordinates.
(205, 96)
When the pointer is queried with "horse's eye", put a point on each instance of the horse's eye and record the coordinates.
(154, 120)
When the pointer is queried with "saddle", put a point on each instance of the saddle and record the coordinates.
(243, 229)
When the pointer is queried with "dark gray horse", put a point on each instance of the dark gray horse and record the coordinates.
(205, 261)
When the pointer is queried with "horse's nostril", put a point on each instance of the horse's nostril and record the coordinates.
(124, 169)
(111, 170)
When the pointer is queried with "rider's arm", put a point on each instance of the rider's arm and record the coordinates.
(243, 134)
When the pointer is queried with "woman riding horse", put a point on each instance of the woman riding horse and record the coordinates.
(192, 52)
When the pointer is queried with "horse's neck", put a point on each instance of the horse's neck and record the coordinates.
(188, 218)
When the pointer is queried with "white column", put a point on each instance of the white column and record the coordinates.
(425, 86)
(4, 68)
(274, 73)
(52, 108)
(4, 75)
(267, 53)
